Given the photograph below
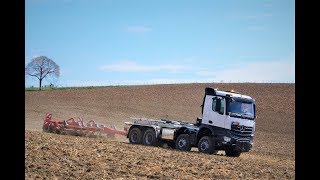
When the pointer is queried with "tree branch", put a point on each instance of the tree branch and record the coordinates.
(33, 75)
(49, 72)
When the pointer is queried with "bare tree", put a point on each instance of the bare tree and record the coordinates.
(41, 67)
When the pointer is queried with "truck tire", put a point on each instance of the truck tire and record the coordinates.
(183, 142)
(232, 153)
(135, 136)
(206, 145)
(149, 138)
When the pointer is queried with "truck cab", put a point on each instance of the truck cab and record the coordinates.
(228, 118)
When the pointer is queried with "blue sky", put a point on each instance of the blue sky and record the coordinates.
(114, 42)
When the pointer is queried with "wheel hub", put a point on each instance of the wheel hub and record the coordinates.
(182, 142)
(134, 137)
(149, 139)
(204, 145)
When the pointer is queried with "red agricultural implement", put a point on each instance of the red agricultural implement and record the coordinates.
(79, 127)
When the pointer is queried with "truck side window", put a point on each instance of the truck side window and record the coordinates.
(222, 105)
(218, 105)
(214, 102)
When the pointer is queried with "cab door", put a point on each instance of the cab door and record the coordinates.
(216, 116)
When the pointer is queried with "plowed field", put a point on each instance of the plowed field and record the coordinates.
(54, 156)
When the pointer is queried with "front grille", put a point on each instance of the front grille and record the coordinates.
(241, 131)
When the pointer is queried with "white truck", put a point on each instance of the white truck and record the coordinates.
(227, 123)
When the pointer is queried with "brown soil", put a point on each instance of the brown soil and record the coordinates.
(69, 157)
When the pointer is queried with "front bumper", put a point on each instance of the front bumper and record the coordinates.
(240, 143)
(242, 146)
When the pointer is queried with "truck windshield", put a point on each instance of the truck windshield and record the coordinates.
(241, 109)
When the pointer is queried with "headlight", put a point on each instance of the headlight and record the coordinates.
(227, 139)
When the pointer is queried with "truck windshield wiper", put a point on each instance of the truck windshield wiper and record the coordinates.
(247, 116)
(244, 116)
(236, 114)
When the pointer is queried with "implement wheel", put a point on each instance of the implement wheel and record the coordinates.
(51, 128)
(45, 129)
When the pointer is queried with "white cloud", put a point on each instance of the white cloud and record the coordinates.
(273, 71)
(138, 29)
(267, 71)
(129, 66)
(282, 70)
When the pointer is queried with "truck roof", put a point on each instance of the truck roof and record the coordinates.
(213, 91)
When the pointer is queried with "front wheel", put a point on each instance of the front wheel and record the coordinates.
(183, 142)
(206, 145)
(135, 136)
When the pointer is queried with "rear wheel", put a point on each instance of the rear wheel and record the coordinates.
(135, 136)
(206, 145)
(149, 138)
(233, 153)
(183, 142)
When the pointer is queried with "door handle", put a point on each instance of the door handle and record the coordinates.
(210, 121)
